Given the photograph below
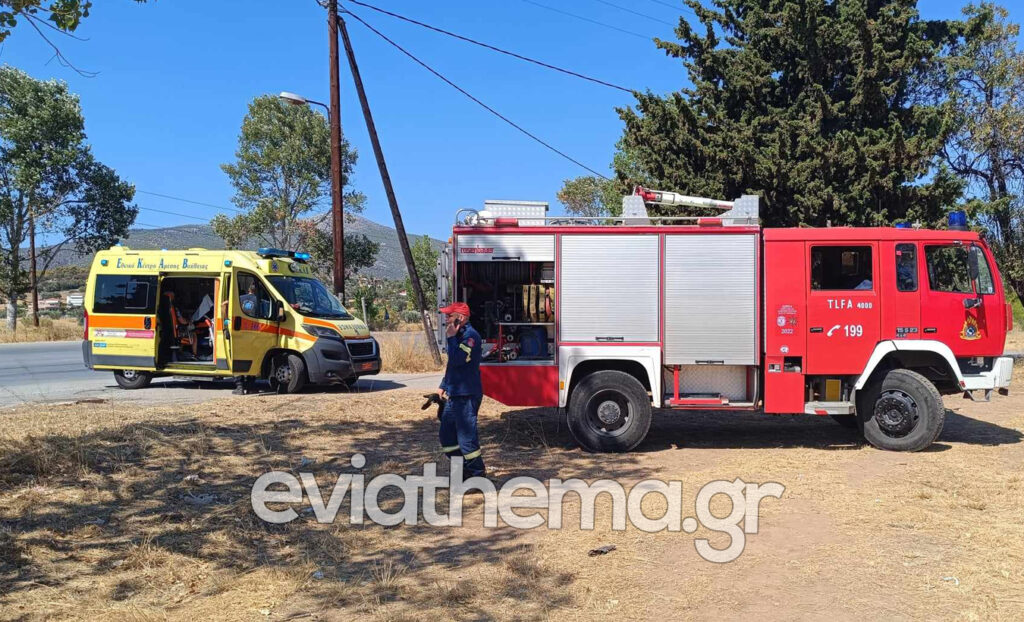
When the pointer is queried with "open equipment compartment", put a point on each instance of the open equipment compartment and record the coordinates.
(509, 283)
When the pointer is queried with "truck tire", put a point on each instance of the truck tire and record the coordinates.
(902, 412)
(131, 379)
(288, 373)
(609, 411)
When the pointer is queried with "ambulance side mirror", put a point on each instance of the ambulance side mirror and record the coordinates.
(279, 310)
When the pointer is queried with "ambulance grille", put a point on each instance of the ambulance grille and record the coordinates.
(360, 348)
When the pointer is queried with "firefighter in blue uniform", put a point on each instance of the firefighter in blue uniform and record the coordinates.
(461, 385)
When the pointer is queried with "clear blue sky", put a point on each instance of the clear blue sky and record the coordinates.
(175, 77)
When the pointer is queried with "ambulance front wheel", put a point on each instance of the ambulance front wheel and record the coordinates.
(132, 379)
(901, 412)
(609, 411)
(288, 374)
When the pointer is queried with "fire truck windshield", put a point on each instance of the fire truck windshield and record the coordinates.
(309, 297)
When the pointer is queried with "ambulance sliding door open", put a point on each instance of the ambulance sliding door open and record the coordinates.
(509, 283)
(187, 321)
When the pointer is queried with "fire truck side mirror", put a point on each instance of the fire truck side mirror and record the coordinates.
(972, 262)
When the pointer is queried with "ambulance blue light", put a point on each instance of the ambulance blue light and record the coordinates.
(958, 220)
(103, 262)
(227, 263)
(302, 256)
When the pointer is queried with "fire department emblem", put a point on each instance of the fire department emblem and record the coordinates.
(970, 330)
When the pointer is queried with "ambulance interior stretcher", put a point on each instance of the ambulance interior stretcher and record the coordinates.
(185, 321)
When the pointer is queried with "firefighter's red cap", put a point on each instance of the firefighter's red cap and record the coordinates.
(456, 307)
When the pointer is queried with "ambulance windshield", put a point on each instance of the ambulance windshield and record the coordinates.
(309, 297)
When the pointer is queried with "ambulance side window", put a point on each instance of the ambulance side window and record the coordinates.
(125, 294)
(906, 267)
(253, 297)
(841, 268)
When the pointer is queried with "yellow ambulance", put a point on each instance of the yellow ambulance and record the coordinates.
(201, 312)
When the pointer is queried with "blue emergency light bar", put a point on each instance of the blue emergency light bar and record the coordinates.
(270, 253)
(903, 225)
(958, 220)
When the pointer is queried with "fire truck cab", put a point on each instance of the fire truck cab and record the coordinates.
(608, 318)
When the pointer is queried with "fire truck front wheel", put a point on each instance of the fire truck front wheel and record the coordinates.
(902, 412)
(609, 411)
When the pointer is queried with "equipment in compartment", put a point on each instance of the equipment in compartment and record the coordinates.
(513, 305)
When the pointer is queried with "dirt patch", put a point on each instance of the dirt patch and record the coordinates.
(110, 513)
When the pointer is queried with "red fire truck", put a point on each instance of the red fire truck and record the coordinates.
(608, 318)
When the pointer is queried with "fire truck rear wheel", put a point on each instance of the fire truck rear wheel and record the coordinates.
(903, 412)
(288, 374)
(132, 379)
(609, 411)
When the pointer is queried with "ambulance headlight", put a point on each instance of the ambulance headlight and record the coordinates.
(322, 331)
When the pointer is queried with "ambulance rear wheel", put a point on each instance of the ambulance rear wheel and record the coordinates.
(902, 412)
(609, 411)
(288, 374)
(132, 379)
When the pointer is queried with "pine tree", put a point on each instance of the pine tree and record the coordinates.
(819, 106)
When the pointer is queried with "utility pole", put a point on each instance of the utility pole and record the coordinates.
(403, 240)
(334, 118)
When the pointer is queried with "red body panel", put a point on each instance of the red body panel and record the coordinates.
(901, 310)
(785, 326)
(521, 385)
(980, 331)
(843, 326)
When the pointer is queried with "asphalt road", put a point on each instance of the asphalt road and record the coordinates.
(48, 372)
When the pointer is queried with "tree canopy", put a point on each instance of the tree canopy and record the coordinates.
(818, 106)
(985, 85)
(50, 182)
(281, 176)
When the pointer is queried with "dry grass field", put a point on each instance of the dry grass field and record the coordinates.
(115, 514)
(405, 352)
(49, 330)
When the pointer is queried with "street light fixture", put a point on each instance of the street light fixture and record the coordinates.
(337, 226)
(298, 100)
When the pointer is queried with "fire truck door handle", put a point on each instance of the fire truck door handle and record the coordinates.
(931, 329)
(610, 339)
(817, 329)
(516, 258)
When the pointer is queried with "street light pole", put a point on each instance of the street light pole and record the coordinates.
(334, 119)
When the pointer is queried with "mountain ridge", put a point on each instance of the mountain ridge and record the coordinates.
(389, 265)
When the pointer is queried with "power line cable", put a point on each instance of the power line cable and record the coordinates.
(491, 47)
(474, 99)
(678, 7)
(587, 19)
(174, 198)
(637, 13)
(160, 211)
